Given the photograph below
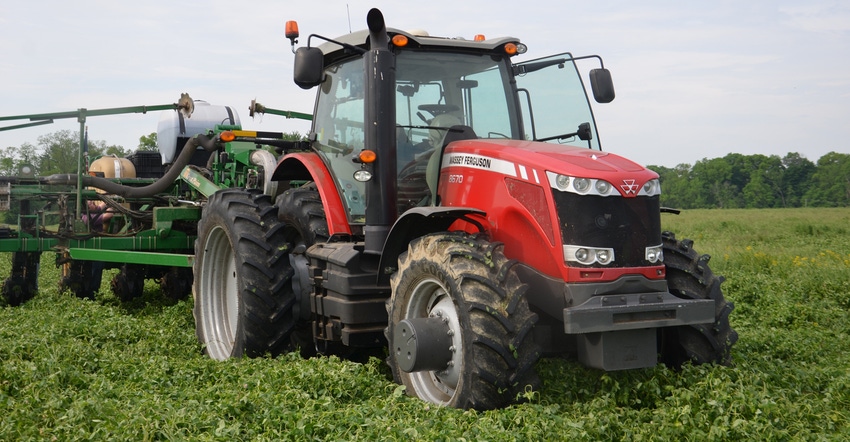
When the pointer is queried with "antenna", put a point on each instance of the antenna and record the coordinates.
(349, 17)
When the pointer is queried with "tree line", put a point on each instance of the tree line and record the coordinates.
(757, 181)
(57, 152)
(733, 181)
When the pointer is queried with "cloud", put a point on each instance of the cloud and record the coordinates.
(824, 17)
(693, 79)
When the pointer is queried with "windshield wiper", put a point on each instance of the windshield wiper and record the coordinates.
(584, 133)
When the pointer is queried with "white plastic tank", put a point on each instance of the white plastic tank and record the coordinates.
(174, 129)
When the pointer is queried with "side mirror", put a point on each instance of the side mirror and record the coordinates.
(309, 67)
(602, 85)
(584, 133)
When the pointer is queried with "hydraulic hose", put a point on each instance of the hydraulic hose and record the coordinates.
(152, 189)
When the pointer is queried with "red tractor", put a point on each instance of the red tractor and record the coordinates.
(456, 208)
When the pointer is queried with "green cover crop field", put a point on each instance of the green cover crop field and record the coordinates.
(74, 369)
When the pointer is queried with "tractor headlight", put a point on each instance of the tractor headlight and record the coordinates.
(362, 175)
(655, 254)
(588, 255)
(563, 182)
(603, 187)
(581, 184)
(651, 188)
(603, 256)
(581, 255)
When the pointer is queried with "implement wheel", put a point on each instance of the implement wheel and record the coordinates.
(22, 284)
(689, 277)
(81, 278)
(129, 283)
(176, 283)
(242, 288)
(462, 286)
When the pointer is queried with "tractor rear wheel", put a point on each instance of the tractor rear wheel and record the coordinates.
(467, 283)
(305, 223)
(689, 277)
(242, 287)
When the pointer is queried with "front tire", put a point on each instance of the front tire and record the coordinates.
(242, 290)
(689, 277)
(468, 282)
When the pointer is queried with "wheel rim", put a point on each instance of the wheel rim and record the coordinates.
(219, 295)
(431, 299)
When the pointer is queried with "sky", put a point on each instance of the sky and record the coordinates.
(694, 79)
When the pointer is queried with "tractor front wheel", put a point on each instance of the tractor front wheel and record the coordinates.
(689, 277)
(463, 287)
(242, 288)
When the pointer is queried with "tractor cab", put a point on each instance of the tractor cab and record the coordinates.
(444, 90)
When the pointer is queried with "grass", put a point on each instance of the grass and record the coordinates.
(73, 369)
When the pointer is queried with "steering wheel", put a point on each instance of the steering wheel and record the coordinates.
(438, 109)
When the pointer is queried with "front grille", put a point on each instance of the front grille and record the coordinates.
(627, 225)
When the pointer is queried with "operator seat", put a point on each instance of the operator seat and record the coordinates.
(440, 138)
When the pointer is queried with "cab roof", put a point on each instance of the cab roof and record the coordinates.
(361, 38)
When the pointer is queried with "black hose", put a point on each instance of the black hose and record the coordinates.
(152, 189)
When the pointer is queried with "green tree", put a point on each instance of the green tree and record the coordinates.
(12, 158)
(758, 193)
(8, 157)
(677, 186)
(714, 178)
(740, 168)
(831, 181)
(99, 148)
(59, 152)
(293, 136)
(765, 187)
(147, 142)
(797, 178)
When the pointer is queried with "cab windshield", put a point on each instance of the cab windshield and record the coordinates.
(437, 90)
(437, 93)
(434, 92)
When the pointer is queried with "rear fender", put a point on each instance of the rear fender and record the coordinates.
(308, 166)
(414, 223)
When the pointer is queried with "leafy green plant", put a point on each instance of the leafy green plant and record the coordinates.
(74, 369)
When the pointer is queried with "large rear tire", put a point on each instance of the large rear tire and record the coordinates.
(243, 295)
(689, 277)
(468, 282)
(305, 223)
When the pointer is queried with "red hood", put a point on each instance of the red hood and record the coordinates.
(572, 160)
